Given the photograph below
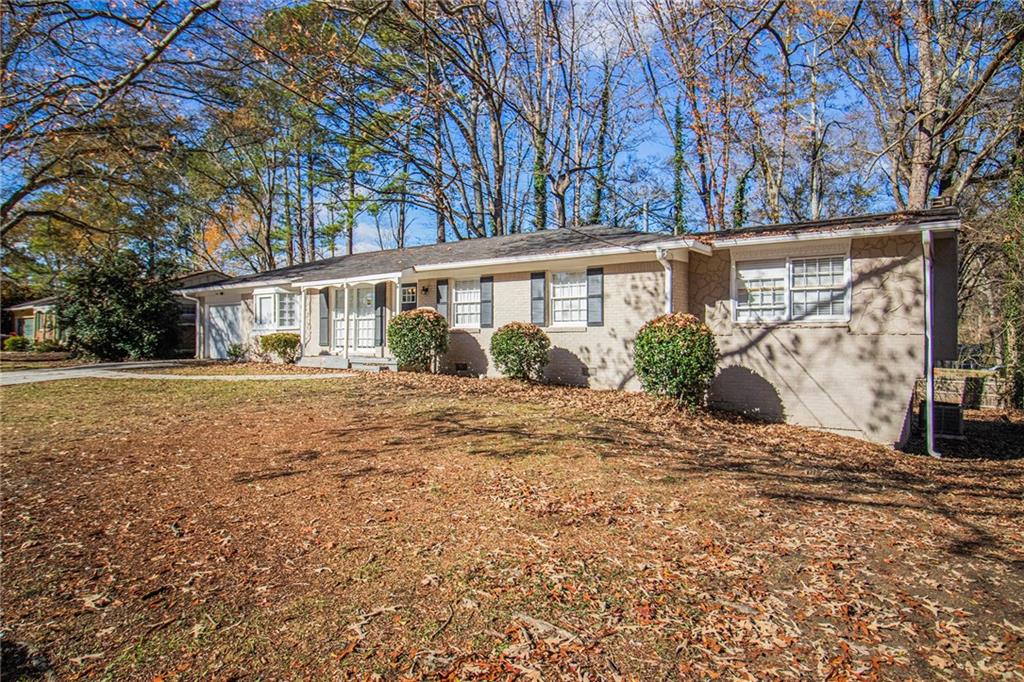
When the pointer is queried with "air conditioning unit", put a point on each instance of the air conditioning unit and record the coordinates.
(949, 419)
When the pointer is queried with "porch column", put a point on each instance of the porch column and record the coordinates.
(348, 331)
(396, 304)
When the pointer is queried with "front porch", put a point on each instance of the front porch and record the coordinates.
(345, 324)
(366, 363)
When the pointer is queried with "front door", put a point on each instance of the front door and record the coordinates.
(364, 317)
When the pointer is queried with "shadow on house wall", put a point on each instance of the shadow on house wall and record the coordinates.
(565, 367)
(465, 355)
(855, 376)
(743, 390)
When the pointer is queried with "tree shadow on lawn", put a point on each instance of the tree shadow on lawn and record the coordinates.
(512, 439)
(957, 492)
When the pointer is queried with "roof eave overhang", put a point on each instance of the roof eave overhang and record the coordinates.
(876, 231)
(189, 291)
(646, 250)
(359, 279)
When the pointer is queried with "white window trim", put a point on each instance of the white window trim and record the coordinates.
(454, 304)
(755, 255)
(576, 324)
(264, 324)
(848, 288)
(734, 293)
(274, 295)
(407, 286)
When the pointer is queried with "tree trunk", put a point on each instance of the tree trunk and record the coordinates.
(601, 173)
(310, 181)
(921, 156)
(288, 234)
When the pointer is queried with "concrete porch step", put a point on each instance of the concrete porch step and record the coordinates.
(363, 363)
(373, 364)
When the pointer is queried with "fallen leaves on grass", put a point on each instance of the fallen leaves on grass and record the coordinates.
(443, 528)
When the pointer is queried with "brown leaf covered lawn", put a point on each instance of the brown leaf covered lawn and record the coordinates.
(426, 527)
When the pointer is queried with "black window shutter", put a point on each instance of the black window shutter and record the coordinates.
(442, 297)
(538, 313)
(486, 302)
(595, 297)
(325, 328)
(380, 302)
(411, 305)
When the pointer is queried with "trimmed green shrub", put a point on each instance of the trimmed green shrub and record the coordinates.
(417, 338)
(282, 344)
(675, 356)
(17, 344)
(520, 351)
(237, 352)
(48, 346)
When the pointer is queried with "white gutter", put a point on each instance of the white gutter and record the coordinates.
(199, 317)
(662, 256)
(883, 230)
(362, 279)
(929, 365)
(566, 255)
(239, 285)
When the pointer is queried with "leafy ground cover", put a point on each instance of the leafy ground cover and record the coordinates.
(197, 368)
(11, 361)
(429, 527)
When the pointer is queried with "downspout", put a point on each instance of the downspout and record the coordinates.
(199, 348)
(662, 255)
(929, 365)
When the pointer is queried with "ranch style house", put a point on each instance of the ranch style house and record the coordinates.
(827, 324)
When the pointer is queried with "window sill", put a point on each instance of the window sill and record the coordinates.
(797, 324)
(555, 329)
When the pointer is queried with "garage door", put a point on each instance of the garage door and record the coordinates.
(224, 327)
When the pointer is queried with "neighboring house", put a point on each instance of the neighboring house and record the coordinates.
(36, 319)
(820, 323)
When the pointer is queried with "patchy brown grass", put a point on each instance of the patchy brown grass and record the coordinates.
(451, 528)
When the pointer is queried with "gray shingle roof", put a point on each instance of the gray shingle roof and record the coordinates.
(46, 300)
(550, 242)
(921, 217)
(396, 260)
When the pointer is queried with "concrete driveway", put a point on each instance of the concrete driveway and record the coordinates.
(116, 370)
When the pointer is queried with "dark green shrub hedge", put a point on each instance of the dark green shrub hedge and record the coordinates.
(520, 351)
(282, 344)
(417, 338)
(48, 346)
(17, 344)
(676, 356)
(118, 306)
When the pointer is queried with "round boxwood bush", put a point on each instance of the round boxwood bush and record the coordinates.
(17, 344)
(520, 351)
(281, 344)
(675, 356)
(417, 338)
